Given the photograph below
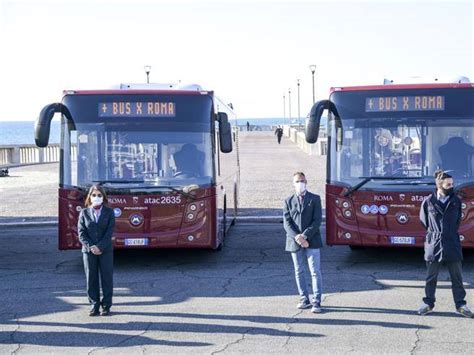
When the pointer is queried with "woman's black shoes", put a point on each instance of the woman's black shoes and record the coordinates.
(105, 311)
(95, 312)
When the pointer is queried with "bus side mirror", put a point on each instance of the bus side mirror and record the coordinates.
(314, 120)
(225, 133)
(43, 123)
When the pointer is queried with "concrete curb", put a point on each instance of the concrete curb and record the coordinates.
(240, 219)
(258, 219)
(29, 224)
(264, 219)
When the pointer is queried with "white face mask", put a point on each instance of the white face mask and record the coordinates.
(300, 187)
(97, 201)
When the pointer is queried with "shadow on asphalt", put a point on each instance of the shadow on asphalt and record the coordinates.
(252, 264)
(87, 339)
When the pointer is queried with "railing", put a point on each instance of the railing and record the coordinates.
(28, 154)
(298, 137)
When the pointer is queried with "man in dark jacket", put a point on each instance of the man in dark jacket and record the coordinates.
(279, 133)
(302, 215)
(440, 214)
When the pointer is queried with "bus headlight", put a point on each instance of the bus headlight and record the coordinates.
(347, 235)
(463, 206)
(461, 238)
(347, 213)
(192, 207)
(346, 204)
(190, 216)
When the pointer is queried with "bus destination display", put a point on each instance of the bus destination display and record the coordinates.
(404, 103)
(137, 109)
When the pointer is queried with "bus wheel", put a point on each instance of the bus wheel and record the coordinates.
(224, 227)
(236, 204)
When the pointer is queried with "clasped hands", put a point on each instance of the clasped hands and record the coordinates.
(95, 250)
(301, 240)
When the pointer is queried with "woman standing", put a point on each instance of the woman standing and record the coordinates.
(440, 214)
(95, 228)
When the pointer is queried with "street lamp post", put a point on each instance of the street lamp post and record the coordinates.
(284, 106)
(147, 71)
(312, 67)
(299, 115)
(289, 104)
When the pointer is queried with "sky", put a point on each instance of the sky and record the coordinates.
(250, 53)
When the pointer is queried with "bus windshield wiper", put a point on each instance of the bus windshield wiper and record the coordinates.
(412, 183)
(190, 187)
(118, 181)
(172, 188)
(366, 179)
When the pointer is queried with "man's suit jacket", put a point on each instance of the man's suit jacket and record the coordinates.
(304, 219)
(96, 233)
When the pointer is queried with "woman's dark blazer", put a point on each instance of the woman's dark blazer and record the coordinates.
(98, 234)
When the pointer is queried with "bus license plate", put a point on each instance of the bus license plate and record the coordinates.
(402, 240)
(136, 242)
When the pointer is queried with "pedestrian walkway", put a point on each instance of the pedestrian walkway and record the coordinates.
(267, 171)
(30, 192)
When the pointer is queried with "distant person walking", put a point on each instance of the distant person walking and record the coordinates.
(302, 216)
(279, 133)
(440, 214)
(95, 228)
(248, 126)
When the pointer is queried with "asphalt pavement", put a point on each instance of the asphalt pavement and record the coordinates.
(242, 299)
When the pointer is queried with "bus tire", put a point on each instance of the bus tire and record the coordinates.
(224, 226)
(236, 204)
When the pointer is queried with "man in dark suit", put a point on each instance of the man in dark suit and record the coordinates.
(302, 215)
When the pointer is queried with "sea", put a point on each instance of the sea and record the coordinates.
(22, 132)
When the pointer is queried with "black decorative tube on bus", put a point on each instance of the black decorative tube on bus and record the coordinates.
(314, 120)
(43, 122)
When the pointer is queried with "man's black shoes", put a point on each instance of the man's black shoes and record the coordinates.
(94, 312)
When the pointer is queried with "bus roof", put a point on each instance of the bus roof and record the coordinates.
(134, 92)
(151, 88)
(402, 86)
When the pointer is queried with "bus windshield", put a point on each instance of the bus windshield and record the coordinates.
(127, 156)
(405, 151)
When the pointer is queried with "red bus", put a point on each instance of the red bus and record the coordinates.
(384, 144)
(167, 158)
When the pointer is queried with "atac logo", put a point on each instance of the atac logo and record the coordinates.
(136, 219)
(402, 217)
